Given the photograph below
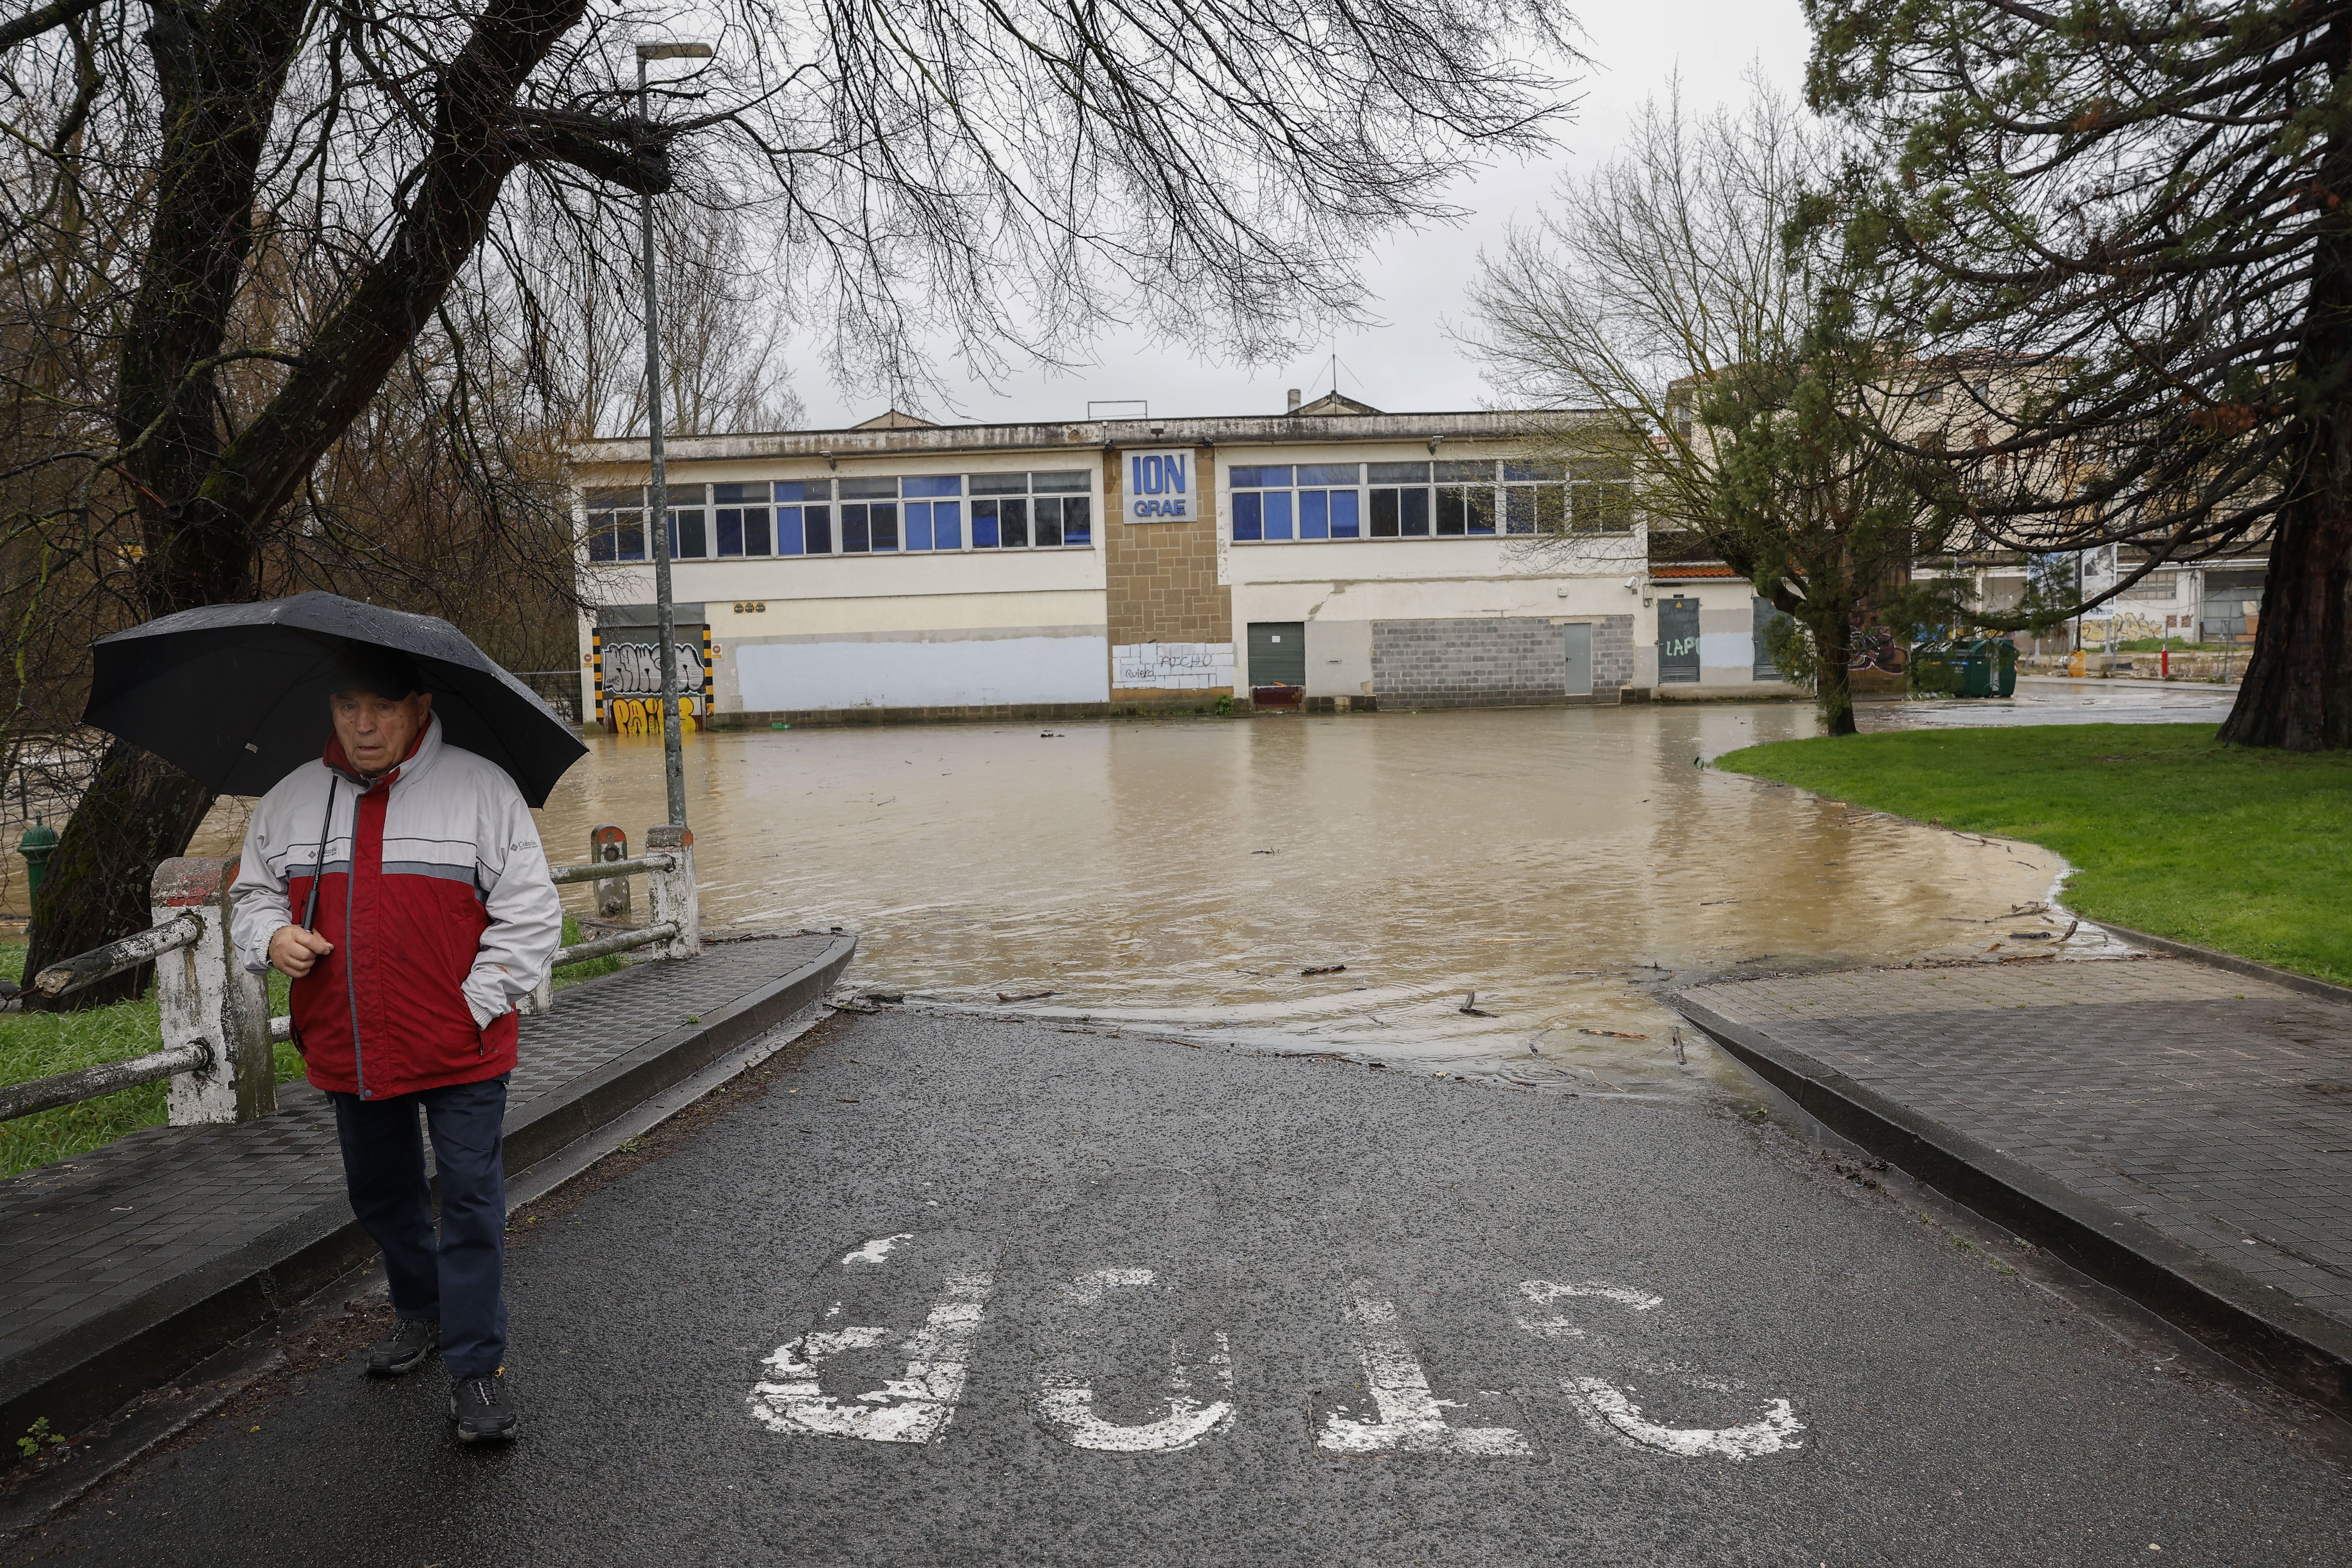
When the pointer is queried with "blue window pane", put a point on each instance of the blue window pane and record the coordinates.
(918, 525)
(1278, 514)
(1078, 520)
(805, 490)
(602, 544)
(629, 537)
(819, 530)
(755, 530)
(788, 530)
(854, 539)
(731, 530)
(1416, 514)
(947, 531)
(983, 524)
(686, 536)
(1343, 514)
(886, 527)
(1248, 517)
(1480, 507)
(1330, 473)
(1258, 479)
(1315, 515)
(952, 485)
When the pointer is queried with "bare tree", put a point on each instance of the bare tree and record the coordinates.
(229, 223)
(1672, 290)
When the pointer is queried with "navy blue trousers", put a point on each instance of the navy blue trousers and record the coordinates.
(455, 1277)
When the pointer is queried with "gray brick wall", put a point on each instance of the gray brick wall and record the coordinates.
(1509, 659)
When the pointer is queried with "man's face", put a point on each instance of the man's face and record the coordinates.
(376, 731)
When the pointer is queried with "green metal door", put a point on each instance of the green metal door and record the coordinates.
(1677, 640)
(1278, 653)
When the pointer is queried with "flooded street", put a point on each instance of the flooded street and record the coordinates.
(1180, 875)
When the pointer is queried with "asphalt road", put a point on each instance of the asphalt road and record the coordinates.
(962, 1292)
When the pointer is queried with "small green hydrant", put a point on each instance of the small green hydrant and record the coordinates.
(40, 842)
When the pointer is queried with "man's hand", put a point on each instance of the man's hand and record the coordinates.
(293, 951)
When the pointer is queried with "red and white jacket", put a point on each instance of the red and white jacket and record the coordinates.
(435, 894)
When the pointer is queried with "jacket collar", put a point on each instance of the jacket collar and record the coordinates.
(422, 753)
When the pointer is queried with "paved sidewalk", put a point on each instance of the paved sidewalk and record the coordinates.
(2198, 1118)
(121, 1267)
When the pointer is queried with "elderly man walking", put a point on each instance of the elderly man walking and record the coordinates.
(399, 882)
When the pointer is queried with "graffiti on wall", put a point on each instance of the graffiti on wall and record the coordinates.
(633, 668)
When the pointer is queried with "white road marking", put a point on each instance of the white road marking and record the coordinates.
(1088, 1289)
(1411, 1419)
(1609, 1413)
(915, 1407)
(1068, 1403)
(877, 1249)
(1544, 1292)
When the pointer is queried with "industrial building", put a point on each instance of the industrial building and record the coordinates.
(1334, 557)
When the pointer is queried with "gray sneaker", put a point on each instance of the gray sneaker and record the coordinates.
(485, 1409)
(410, 1343)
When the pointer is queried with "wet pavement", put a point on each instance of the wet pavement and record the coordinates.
(963, 1291)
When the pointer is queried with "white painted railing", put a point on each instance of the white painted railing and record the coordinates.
(216, 1029)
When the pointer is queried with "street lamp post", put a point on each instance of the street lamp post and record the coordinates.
(657, 499)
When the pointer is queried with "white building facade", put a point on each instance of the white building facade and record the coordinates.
(1333, 557)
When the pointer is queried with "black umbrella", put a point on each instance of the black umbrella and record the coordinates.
(237, 694)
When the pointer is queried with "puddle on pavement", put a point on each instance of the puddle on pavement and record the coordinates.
(1178, 876)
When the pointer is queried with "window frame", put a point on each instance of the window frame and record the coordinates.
(1053, 510)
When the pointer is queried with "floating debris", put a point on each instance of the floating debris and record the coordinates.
(1325, 969)
(1470, 1005)
(1613, 1033)
(1023, 996)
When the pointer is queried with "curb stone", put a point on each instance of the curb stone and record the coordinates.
(2305, 1353)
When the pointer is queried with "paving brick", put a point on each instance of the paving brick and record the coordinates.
(2211, 1106)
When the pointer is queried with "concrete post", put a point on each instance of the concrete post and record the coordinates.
(672, 892)
(608, 842)
(205, 995)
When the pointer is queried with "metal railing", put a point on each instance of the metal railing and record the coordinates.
(217, 1034)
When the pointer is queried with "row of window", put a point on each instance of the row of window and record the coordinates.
(1051, 510)
(861, 516)
(1423, 500)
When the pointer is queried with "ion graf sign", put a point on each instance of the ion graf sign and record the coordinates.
(1160, 487)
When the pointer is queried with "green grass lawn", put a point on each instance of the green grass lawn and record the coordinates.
(34, 1045)
(2170, 832)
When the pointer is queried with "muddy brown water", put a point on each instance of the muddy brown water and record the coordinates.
(1180, 875)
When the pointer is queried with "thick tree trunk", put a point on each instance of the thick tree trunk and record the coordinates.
(2297, 694)
(139, 810)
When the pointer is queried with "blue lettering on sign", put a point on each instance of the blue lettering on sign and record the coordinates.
(1157, 474)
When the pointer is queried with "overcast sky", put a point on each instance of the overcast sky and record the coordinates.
(1416, 278)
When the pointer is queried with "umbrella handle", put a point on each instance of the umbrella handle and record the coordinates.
(311, 902)
(319, 856)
